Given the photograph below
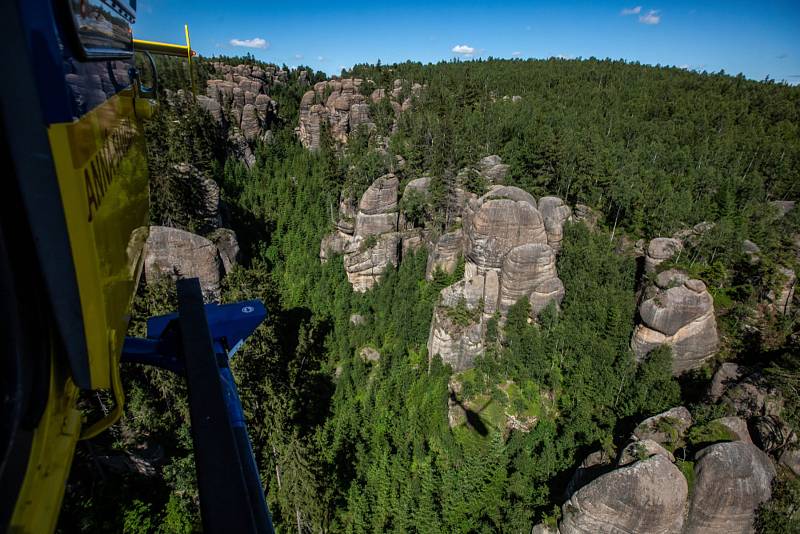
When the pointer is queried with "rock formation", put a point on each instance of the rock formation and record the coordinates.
(507, 258)
(174, 253)
(678, 312)
(368, 234)
(660, 250)
(665, 428)
(731, 480)
(647, 496)
(445, 253)
(646, 493)
(239, 101)
(340, 104)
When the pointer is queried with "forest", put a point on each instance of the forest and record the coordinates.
(345, 444)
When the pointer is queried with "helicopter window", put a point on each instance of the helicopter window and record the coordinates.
(103, 27)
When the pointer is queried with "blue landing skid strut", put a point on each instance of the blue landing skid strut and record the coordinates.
(198, 343)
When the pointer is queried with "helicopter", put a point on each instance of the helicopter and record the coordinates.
(73, 223)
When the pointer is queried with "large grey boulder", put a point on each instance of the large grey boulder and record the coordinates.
(640, 450)
(660, 250)
(494, 226)
(646, 497)
(681, 317)
(174, 253)
(251, 126)
(731, 480)
(493, 169)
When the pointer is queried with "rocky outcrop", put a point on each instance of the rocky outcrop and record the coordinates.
(665, 428)
(679, 315)
(507, 258)
(731, 480)
(365, 260)
(660, 250)
(498, 222)
(642, 449)
(493, 169)
(174, 253)
(530, 271)
(227, 246)
(445, 253)
(554, 214)
(238, 100)
(780, 299)
(339, 104)
(647, 496)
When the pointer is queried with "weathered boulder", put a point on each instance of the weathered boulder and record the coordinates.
(641, 450)
(174, 253)
(660, 250)
(445, 253)
(493, 169)
(419, 185)
(495, 226)
(554, 214)
(783, 207)
(731, 480)
(736, 426)
(586, 215)
(228, 247)
(525, 270)
(380, 196)
(728, 374)
(369, 354)
(647, 496)
(681, 317)
(365, 264)
(357, 319)
(593, 465)
(333, 244)
(379, 223)
(511, 193)
(457, 344)
(665, 428)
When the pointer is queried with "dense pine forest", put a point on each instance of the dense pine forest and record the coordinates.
(347, 444)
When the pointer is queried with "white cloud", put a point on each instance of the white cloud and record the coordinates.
(563, 56)
(298, 56)
(685, 66)
(651, 17)
(516, 54)
(464, 50)
(631, 10)
(255, 42)
(320, 58)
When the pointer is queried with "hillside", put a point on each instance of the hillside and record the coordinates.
(503, 295)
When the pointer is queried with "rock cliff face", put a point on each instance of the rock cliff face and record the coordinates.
(677, 312)
(239, 100)
(340, 104)
(507, 257)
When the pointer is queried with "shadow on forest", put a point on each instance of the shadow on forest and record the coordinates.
(474, 419)
(251, 232)
(301, 337)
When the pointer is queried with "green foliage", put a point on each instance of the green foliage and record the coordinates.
(462, 315)
(709, 433)
(781, 514)
(687, 470)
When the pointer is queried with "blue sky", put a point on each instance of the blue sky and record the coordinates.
(758, 39)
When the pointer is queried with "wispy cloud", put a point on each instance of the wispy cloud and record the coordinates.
(298, 56)
(652, 17)
(782, 56)
(563, 56)
(255, 42)
(320, 58)
(516, 54)
(631, 11)
(464, 50)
